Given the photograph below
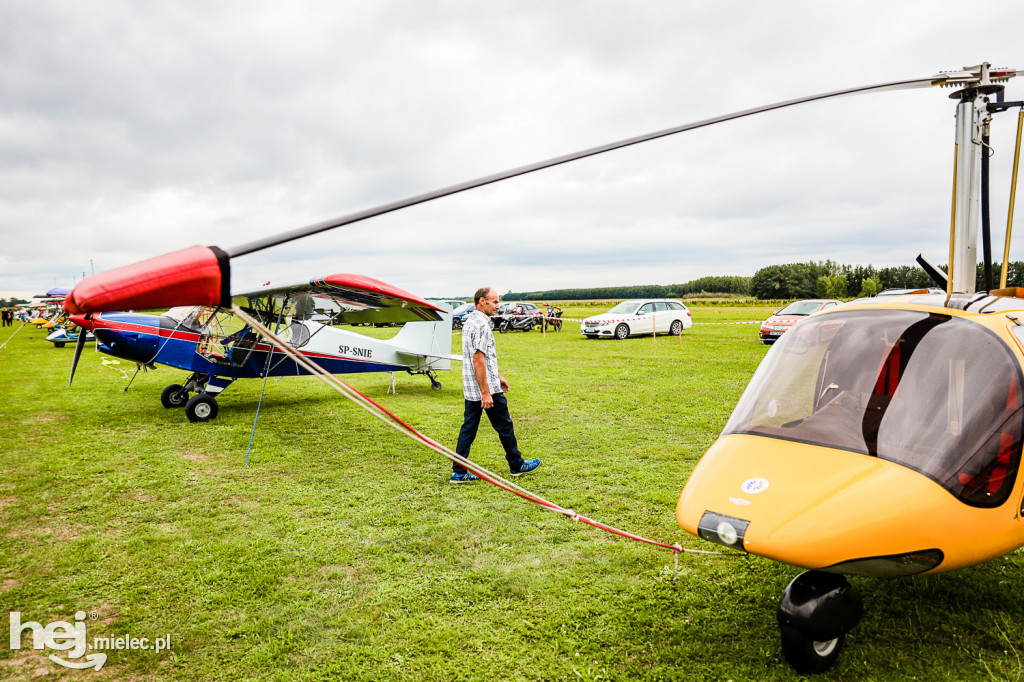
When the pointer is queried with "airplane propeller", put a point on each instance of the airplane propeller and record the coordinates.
(83, 327)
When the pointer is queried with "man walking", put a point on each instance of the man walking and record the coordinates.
(484, 389)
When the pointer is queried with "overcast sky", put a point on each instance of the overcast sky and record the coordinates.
(129, 129)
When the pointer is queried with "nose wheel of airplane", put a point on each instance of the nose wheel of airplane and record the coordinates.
(201, 408)
(174, 395)
(815, 613)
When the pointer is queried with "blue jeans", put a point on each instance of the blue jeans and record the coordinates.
(500, 419)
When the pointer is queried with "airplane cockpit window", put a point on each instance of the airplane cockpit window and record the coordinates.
(935, 393)
(182, 317)
(295, 334)
(223, 337)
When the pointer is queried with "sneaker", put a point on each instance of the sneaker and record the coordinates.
(527, 466)
(463, 478)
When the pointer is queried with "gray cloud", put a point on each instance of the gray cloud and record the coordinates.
(131, 130)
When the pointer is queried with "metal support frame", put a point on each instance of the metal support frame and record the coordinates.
(970, 114)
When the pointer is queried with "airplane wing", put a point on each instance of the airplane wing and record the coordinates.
(339, 298)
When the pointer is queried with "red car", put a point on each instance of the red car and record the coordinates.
(776, 325)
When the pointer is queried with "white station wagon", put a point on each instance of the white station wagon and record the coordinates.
(639, 316)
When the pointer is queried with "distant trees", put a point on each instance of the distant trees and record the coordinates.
(824, 279)
(831, 286)
(636, 291)
(870, 287)
(829, 279)
(717, 285)
(714, 285)
(795, 280)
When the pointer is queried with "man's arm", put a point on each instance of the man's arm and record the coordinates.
(480, 370)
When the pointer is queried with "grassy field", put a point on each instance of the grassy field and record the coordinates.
(342, 552)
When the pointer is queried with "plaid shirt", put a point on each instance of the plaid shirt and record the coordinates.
(477, 336)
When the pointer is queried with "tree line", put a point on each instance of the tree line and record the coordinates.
(717, 285)
(829, 279)
(822, 279)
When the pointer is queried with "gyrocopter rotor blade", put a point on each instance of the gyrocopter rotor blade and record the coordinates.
(260, 244)
(200, 275)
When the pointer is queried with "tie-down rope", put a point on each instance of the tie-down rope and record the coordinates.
(405, 429)
(23, 323)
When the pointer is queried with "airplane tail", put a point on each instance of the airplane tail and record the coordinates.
(426, 345)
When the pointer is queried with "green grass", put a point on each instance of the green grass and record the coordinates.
(343, 553)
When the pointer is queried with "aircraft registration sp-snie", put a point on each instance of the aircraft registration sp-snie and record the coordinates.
(875, 439)
(217, 347)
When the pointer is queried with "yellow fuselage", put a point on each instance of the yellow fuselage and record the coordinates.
(816, 507)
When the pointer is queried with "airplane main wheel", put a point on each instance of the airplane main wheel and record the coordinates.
(201, 408)
(807, 655)
(174, 396)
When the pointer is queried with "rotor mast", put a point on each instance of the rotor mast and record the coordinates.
(972, 119)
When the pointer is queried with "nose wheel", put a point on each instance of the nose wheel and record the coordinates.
(816, 611)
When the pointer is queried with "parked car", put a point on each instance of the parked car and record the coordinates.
(777, 325)
(449, 303)
(460, 313)
(639, 316)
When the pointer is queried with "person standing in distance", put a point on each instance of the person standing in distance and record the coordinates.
(484, 389)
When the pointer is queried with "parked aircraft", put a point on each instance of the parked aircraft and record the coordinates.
(216, 347)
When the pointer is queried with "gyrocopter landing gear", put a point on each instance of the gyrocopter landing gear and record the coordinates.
(815, 613)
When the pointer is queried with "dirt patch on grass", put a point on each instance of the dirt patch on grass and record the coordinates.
(33, 664)
(46, 418)
(28, 664)
(106, 614)
(193, 456)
